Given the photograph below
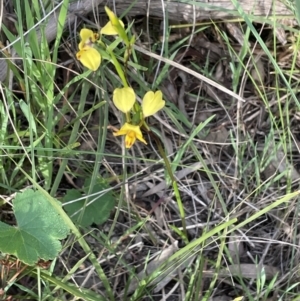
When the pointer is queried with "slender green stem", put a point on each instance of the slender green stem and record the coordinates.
(118, 67)
(174, 182)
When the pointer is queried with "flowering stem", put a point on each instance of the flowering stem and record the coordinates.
(127, 117)
(144, 124)
(118, 68)
(174, 183)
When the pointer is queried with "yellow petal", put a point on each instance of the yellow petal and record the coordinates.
(81, 45)
(89, 57)
(152, 103)
(120, 132)
(124, 99)
(125, 128)
(141, 138)
(109, 29)
(131, 132)
(88, 37)
(87, 34)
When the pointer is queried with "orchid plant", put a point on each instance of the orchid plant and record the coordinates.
(124, 98)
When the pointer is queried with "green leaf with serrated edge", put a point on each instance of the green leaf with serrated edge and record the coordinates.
(37, 232)
(98, 206)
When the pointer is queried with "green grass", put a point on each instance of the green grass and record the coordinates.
(227, 227)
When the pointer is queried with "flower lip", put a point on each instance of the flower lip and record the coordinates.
(130, 139)
(131, 132)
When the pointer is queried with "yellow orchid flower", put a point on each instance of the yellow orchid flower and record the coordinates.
(89, 57)
(152, 103)
(124, 99)
(131, 132)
